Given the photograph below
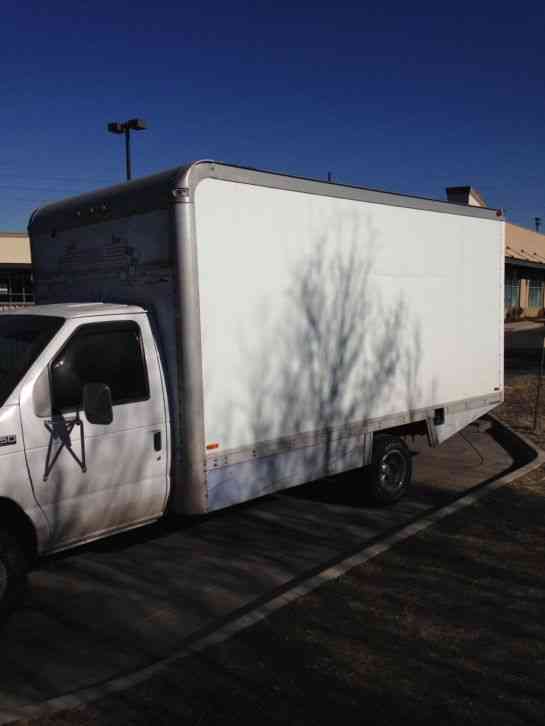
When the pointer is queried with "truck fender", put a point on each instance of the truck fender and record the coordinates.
(15, 521)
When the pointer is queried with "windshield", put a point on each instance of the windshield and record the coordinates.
(22, 339)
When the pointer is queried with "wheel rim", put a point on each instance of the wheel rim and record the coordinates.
(3, 580)
(393, 471)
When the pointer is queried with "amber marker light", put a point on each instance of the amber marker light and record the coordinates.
(209, 447)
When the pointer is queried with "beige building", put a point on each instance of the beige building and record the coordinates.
(15, 270)
(524, 272)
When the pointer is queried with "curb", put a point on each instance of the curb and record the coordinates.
(516, 443)
(524, 325)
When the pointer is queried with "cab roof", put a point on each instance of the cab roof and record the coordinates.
(77, 310)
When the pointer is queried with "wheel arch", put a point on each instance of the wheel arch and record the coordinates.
(18, 523)
(414, 428)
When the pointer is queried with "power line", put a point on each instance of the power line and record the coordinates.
(30, 200)
(18, 178)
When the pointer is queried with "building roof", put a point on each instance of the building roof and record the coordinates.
(14, 248)
(524, 245)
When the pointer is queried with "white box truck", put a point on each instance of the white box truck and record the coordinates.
(214, 333)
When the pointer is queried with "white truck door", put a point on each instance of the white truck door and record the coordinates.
(93, 479)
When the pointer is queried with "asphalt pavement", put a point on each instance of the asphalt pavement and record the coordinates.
(117, 606)
(523, 336)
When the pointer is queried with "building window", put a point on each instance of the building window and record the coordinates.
(16, 287)
(535, 294)
(512, 292)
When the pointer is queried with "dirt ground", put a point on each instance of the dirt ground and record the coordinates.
(447, 627)
(523, 361)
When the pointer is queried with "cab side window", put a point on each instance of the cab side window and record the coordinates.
(109, 353)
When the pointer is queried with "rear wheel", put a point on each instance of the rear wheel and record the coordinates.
(390, 470)
(13, 573)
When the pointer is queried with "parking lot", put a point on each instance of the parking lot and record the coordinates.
(120, 605)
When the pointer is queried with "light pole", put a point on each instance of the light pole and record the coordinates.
(133, 124)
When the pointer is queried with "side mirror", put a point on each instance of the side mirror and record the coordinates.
(97, 403)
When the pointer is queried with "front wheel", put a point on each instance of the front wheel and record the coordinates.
(13, 573)
(390, 470)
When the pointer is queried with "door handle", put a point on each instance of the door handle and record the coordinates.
(157, 444)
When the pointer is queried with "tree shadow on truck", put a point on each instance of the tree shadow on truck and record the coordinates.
(343, 350)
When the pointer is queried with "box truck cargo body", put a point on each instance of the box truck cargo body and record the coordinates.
(285, 329)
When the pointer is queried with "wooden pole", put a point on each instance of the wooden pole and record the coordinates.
(537, 427)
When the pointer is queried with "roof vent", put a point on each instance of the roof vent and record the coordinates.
(465, 195)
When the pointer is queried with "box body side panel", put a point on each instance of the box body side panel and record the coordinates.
(320, 314)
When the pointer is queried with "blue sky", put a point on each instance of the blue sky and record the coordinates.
(408, 98)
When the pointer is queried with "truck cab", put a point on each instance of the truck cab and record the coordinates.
(84, 429)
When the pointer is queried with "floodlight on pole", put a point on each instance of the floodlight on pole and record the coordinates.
(125, 127)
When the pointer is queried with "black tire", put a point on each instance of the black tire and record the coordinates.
(391, 469)
(13, 574)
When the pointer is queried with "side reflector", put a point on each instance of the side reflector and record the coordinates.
(212, 446)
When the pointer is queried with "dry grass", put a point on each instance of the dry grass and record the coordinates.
(522, 370)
